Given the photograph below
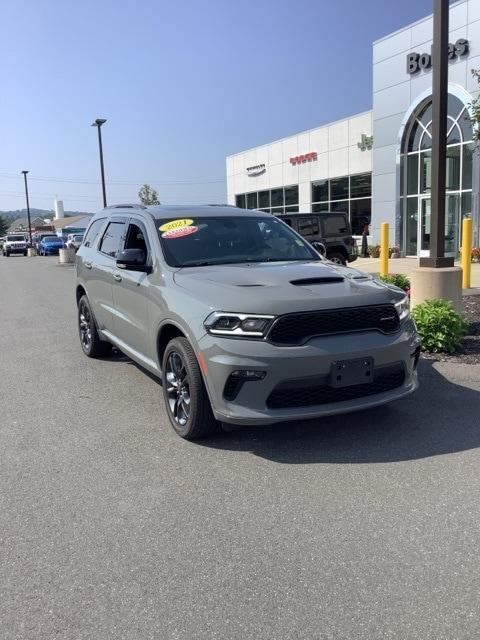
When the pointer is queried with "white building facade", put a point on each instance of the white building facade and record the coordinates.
(376, 165)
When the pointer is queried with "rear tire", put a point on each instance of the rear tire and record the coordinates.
(337, 258)
(90, 341)
(186, 399)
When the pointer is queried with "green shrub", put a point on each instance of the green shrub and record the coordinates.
(440, 326)
(398, 279)
(374, 251)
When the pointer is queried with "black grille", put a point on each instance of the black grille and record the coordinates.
(297, 328)
(289, 394)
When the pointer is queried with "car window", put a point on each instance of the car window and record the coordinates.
(136, 238)
(93, 232)
(287, 221)
(112, 237)
(15, 238)
(335, 225)
(189, 242)
(308, 226)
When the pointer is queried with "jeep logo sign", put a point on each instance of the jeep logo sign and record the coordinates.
(417, 61)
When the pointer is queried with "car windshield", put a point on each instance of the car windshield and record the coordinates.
(52, 239)
(15, 239)
(77, 238)
(190, 242)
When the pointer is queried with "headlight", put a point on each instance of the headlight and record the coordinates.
(403, 308)
(238, 324)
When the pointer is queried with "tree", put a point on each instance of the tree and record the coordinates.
(3, 226)
(476, 108)
(148, 195)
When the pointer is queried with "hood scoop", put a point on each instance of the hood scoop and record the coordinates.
(304, 282)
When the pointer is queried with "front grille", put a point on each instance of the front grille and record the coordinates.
(297, 328)
(289, 394)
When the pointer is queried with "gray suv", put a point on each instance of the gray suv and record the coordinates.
(242, 320)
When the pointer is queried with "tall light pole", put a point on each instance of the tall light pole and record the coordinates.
(28, 207)
(98, 123)
(439, 136)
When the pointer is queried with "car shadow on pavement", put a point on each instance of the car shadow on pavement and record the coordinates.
(441, 417)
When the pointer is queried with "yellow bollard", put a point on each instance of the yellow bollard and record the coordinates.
(466, 252)
(384, 250)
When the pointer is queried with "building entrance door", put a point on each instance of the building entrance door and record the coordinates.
(424, 220)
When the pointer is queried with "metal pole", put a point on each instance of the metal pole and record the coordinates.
(439, 137)
(102, 170)
(28, 208)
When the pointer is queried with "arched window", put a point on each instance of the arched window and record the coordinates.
(416, 176)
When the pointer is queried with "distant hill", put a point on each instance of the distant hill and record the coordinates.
(42, 213)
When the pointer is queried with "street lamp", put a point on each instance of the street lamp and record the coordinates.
(28, 207)
(98, 123)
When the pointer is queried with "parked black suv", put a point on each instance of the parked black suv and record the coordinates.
(333, 230)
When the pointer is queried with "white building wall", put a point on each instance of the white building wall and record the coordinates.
(338, 154)
(394, 90)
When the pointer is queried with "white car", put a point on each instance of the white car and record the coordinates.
(74, 240)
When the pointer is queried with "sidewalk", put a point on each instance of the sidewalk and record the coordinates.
(407, 266)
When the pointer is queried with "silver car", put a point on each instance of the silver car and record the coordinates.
(242, 320)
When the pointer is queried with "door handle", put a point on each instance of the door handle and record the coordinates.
(117, 277)
(87, 265)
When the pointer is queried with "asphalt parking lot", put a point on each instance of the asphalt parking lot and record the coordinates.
(112, 527)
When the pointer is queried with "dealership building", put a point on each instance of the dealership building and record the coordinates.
(376, 165)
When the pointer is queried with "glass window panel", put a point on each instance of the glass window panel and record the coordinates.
(426, 114)
(360, 214)
(112, 238)
(453, 168)
(335, 225)
(468, 150)
(467, 204)
(252, 200)
(425, 171)
(308, 226)
(291, 209)
(339, 188)
(361, 185)
(320, 191)
(267, 210)
(93, 232)
(452, 217)
(454, 136)
(465, 125)
(264, 199)
(277, 197)
(412, 173)
(339, 206)
(240, 201)
(291, 195)
(426, 142)
(411, 227)
(454, 107)
(323, 206)
(276, 210)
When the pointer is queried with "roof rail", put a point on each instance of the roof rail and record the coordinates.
(221, 205)
(126, 206)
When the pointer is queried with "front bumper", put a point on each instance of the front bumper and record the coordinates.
(299, 364)
(53, 251)
(12, 250)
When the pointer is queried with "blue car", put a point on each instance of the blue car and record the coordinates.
(50, 245)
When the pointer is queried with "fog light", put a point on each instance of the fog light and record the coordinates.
(237, 379)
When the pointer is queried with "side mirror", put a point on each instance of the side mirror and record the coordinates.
(320, 247)
(133, 260)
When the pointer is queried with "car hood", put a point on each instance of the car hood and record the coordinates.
(283, 287)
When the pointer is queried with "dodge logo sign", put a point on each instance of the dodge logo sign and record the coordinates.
(256, 170)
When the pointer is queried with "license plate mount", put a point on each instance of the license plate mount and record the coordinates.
(347, 373)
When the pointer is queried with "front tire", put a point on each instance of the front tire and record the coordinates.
(186, 399)
(90, 341)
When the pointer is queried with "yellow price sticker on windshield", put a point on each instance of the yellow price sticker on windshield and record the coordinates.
(176, 224)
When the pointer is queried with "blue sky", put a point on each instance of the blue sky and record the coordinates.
(182, 84)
